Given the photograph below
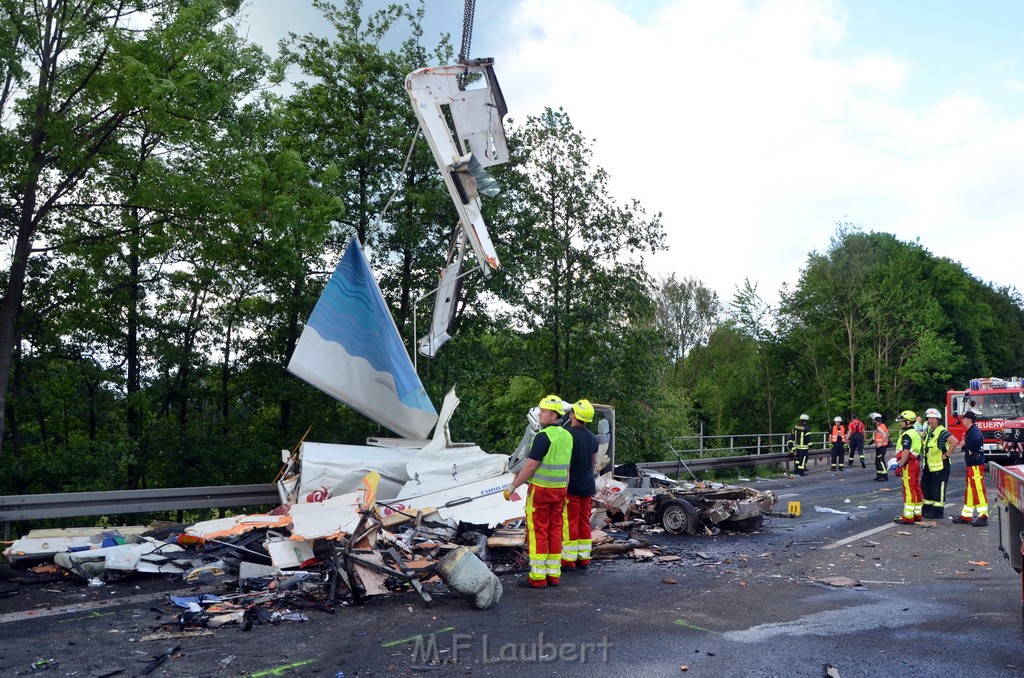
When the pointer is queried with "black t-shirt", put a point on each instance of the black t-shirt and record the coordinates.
(539, 447)
(581, 469)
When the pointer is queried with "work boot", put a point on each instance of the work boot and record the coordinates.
(918, 519)
(553, 581)
(928, 512)
(533, 584)
(582, 564)
(862, 464)
(903, 521)
(980, 521)
(568, 564)
(961, 520)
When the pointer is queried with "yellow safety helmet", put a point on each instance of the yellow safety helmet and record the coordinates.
(583, 410)
(907, 415)
(553, 403)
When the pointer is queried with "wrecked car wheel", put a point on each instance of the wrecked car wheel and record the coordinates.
(678, 517)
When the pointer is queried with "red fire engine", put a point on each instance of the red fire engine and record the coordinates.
(1009, 506)
(999, 404)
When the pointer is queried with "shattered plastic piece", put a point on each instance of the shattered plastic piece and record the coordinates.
(235, 525)
(188, 601)
(825, 509)
(336, 516)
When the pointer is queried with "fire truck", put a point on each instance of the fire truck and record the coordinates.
(1009, 486)
(999, 404)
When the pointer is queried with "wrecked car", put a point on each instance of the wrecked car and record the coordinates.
(688, 508)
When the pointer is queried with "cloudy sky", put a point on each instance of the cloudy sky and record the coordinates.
(755, 127)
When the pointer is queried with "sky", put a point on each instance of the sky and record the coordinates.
(755, 127)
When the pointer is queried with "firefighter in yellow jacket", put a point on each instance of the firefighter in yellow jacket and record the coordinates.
(939, 445)
(547, 471)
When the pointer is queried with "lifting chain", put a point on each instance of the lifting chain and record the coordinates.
(467, 37)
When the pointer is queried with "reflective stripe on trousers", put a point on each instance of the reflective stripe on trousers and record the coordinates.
(913, 499)
(974, 494)
(576, 528)
(880, 467)
(544, 507)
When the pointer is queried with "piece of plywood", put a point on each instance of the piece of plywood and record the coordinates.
(405, 516)
(507, 538)
(372, 580)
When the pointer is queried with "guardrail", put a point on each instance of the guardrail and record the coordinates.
(76, 504)
(709, 463)
(747, 443)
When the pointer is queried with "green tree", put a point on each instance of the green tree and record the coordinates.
(574, 273)
(687, 312)
(78, 79)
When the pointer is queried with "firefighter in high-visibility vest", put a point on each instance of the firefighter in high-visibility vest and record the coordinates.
(801, 444)
(547, 471)
(939, 445)
(908, 468)
(838, 440)
(855, 433)
(580, 491)
(975, 498)
(881, 442)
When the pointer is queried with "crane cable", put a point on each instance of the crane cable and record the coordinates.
(467, 37)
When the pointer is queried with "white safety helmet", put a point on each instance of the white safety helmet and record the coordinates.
(804, 417)
(931, 412)
(874, 416)
(838, 420)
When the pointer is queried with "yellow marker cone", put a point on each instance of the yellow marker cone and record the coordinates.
(794, 508)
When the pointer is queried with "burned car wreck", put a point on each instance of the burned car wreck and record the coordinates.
(698, 507)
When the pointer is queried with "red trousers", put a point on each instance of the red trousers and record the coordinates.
(913, 497)
(544, 531)
(576, 533)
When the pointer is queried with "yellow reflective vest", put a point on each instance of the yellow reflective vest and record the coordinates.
(915, 442)
(933, 460)
(554, 468)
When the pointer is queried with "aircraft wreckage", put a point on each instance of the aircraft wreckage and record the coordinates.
(396, 513)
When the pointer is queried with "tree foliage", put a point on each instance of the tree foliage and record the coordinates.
(171, 222)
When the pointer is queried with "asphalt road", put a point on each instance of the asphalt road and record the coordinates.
(932, 600)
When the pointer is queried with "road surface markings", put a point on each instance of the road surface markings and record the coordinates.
(867, 533)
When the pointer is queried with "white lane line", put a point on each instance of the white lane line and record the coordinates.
(867, 533)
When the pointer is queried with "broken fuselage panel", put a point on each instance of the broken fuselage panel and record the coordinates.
(465, 131)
